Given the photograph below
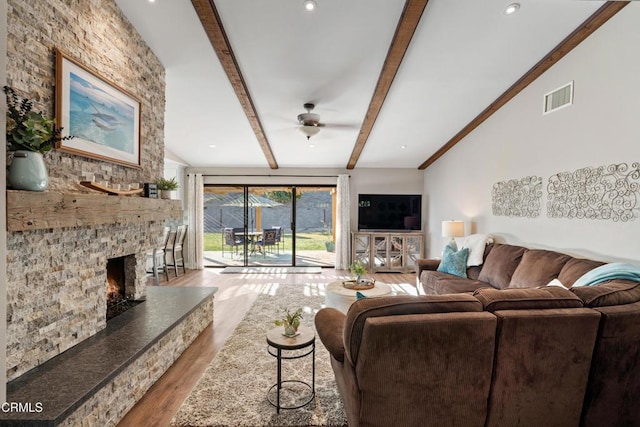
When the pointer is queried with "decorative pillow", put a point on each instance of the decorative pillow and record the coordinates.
(454, 262)
(558, 283)
(476, 244)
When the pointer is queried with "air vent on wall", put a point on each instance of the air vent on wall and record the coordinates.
(557, 99)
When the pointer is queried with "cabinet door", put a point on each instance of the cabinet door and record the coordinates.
(361, 249)
(381, 249)
(396, 252)
(412, 251)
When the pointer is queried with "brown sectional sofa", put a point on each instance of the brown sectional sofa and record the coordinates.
(472, 353)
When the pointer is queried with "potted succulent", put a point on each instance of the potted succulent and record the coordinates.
(166, 186)
(358, 269)
(290, 321)
(329, 244)
(30, 134)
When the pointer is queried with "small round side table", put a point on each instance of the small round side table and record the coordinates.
(277, 344)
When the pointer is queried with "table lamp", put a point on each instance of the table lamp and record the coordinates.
(452, 229)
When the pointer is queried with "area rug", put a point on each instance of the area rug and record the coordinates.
(271, 270)
(233, 389)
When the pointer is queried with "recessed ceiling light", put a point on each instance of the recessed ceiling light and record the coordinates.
(512, 8)
(152, 1)
(312, 145)
(403, 146)
(310, 5)
(212, 146)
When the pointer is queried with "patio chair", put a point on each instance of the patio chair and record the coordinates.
(279, 238)
(230, 238)
(268, 240)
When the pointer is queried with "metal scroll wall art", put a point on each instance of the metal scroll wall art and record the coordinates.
(606, 192)
(517, 197)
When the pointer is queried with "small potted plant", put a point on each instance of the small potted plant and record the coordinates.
(30, 134)
(166, 186)
(329, 244)
(290, 321)
(358, 269)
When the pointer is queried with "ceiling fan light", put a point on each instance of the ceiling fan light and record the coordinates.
(310, 5)
(309, 131)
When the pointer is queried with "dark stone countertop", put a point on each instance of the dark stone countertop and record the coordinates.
(66, 381)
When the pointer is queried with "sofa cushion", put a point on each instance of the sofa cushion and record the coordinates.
(454, 262)
(537, 268)
(615, 292)
(500, 264)
(575, 268)
(527, 298)
(441, 283)
(365, 308)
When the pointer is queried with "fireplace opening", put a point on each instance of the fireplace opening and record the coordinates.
(117, 279)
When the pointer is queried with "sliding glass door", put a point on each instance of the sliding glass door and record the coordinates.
(269, 226)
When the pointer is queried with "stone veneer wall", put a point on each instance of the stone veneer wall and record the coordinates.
(56, 286)
(96, 34)
(109, 405)
(56, 277)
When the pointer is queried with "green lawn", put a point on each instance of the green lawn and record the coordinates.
(305, 241)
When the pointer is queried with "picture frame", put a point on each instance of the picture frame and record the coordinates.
(103, 117)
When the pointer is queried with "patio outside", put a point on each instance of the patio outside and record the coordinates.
(269, 207)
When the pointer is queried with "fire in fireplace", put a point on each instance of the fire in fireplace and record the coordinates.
(116, 285)
(117, 279)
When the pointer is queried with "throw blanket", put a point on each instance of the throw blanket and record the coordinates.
(604, 273)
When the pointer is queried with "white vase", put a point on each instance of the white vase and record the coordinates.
(28, 171)
(165, 194)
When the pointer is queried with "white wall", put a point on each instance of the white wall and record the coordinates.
(3, 204)
(601, 128)
(372, 181)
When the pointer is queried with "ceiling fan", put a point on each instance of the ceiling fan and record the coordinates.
(310, 121)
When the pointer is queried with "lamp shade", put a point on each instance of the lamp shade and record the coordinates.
(452, 228)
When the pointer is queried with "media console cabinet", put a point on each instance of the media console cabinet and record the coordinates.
(387, 251)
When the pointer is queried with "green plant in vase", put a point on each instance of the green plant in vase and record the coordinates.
(290, 321)
(166, 186)
(358, 269)
(30, 134)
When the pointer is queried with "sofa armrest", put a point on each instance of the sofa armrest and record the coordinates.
(426, 264)
(330, 326)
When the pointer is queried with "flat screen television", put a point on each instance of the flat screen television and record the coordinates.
(379, 212)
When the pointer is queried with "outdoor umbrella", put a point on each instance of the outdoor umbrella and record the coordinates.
(253, 201)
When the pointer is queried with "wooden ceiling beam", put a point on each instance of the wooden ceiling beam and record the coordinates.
(588, 27)
(405, 29)
(212, 24)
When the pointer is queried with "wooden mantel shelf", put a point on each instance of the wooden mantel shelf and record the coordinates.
(30, 210)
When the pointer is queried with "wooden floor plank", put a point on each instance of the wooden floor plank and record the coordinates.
(231, 303)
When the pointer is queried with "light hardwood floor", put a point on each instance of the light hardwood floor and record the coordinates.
(231, 302)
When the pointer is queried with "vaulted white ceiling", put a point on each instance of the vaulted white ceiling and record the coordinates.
(463, 55)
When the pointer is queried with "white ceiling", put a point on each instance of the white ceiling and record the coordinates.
(463, 55)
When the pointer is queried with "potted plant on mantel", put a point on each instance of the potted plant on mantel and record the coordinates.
(166, 186)
(30, 134)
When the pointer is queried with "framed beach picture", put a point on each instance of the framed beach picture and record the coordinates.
(103, 118)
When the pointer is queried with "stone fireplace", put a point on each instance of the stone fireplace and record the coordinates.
(57, 274)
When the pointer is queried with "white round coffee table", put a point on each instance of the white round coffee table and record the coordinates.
(341, 298)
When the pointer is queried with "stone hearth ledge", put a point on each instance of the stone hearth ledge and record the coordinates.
(99, 380)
